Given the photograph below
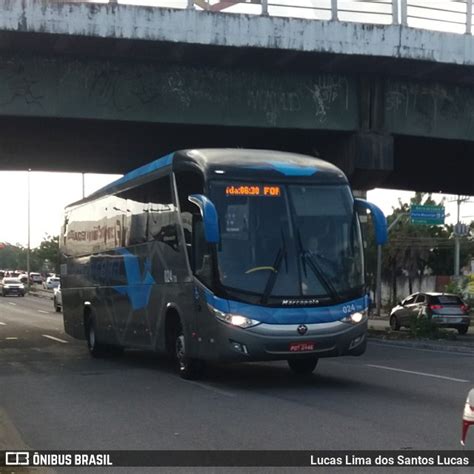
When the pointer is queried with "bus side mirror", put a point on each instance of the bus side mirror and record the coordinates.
(209, 217)
(380, 223)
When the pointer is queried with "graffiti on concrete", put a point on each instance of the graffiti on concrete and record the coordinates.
(429, 108)
(172, 93)
(20, 86)
(326, 91)
(319, 94)
(273, 102)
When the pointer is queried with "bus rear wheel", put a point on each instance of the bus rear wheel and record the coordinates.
(188, 368)
(96, 349)
(303, 366)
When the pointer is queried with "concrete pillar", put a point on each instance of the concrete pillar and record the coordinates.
(395, 10)
(334, 10)
(469, 17)
(366, 157)
(404, 12)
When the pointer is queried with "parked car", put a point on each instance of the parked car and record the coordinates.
(51, 283)
(57, 299)
(12, 286)
(23, 277)
(445, 309)
(36, 277)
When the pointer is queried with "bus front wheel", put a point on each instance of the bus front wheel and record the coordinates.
(303, 366)
(188, 368)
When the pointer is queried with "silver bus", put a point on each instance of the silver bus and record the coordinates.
(220, 255)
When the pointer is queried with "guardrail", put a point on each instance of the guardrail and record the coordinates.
(443, 15)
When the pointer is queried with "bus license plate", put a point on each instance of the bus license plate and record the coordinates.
(301, 346)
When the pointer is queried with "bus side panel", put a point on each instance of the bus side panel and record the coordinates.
(177, 298)
(73, 314)
(76, 289)
(129, 291)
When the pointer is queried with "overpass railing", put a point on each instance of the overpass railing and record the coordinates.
(443, 15)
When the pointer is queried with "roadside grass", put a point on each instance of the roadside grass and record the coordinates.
(420, 329)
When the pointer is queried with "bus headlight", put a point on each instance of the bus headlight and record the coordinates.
(355, 318)
(233, 319)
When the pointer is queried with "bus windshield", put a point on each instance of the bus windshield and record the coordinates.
(288, 241)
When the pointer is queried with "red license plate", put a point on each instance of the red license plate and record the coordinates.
(301, 346)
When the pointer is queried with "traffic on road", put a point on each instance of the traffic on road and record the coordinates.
(55, 396)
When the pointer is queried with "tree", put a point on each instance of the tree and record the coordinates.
(47, 254)
(413, 249)
(13, 257)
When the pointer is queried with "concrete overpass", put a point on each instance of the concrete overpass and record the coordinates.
(104, 88)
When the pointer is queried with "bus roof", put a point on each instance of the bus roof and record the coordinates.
(258, 165)
(246, 164)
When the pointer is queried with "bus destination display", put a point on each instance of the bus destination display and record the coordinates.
(253, 190)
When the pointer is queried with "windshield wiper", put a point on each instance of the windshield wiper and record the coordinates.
(316, 269)
(276, 268)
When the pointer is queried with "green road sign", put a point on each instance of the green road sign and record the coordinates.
(427, 215)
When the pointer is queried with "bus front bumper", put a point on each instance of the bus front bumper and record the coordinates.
(284, 341)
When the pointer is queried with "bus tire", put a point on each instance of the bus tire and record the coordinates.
(188, 368)
(303, 366)
(96, 349)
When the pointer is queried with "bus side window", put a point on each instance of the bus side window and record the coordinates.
(201, 256)
(187, 183)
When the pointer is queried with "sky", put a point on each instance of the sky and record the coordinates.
(51, 192)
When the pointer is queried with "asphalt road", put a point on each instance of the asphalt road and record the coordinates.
(53, 396)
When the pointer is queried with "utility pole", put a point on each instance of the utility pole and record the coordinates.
(378, 277)
(457, 243)
(28, 231)
(458, 233)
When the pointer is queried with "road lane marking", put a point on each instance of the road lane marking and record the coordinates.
(418, 373)
(210, 388)
(459, 353)
(11, 338)
(55, 339)
(13, 304)
(44, 312)
(2, 324)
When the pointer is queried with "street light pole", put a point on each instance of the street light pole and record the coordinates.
(378, 276)
(28, 231)
(457, 243)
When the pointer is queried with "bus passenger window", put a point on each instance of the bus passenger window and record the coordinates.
(202, 262)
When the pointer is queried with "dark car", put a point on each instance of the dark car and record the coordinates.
(12, 286)
(444, 309)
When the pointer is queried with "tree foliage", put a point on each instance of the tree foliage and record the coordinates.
(414, 250)
(44, 258)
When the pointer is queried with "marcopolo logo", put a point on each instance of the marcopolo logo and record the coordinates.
(307, 302)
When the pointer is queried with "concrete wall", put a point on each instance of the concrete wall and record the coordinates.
(219, 29)
(427, 284)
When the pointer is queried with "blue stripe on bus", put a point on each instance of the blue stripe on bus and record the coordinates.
(295, 315)
(288, 169)
(139, 286)
(139, 172)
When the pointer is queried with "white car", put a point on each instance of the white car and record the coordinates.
(36, 278)
(12, 286)
(57, 299)
(51, 283)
